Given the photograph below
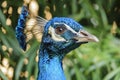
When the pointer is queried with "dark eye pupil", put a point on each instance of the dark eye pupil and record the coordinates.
(60, 29)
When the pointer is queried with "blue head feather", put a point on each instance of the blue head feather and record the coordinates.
(61, 45)
(72, 23)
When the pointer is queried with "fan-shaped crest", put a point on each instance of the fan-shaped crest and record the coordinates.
(28, 27)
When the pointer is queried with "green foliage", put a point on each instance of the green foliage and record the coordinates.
(92, 61)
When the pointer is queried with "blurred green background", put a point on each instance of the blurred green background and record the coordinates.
(92, 61)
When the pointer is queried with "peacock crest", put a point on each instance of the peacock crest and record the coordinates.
(29, 27)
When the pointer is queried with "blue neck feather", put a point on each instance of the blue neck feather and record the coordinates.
(51, 55)
(50, 67)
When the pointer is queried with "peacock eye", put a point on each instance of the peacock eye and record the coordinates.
(60, 30)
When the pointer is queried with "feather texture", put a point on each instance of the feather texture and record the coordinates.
(21, 37)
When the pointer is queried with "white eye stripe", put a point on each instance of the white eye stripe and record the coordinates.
(68, 27)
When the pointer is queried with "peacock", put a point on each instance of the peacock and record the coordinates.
(60, 36)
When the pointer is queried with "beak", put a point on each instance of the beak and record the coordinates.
(84, 36)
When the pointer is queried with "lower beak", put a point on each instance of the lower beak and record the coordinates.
(84, 36)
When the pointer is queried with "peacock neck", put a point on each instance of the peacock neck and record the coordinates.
(50, 67)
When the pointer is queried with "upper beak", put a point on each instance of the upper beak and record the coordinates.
(84, 36)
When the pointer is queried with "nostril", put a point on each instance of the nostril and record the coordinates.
(84, 34)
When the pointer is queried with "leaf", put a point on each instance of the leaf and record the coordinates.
(2, 18)
(112, 74)
(19, 68)
(3, 76)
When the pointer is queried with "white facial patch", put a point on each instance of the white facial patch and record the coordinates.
(55, 36)
(69, 28)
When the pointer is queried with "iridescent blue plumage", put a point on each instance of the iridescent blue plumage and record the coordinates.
(21, 37)
(52, 52)
(60, 36)
(72, 23)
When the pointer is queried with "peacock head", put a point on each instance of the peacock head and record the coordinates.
(61, 35)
